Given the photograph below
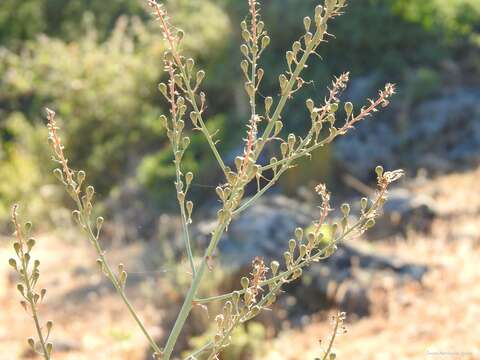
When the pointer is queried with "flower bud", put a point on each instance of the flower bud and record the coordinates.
(260, 73)
(278, 127)
(348, 108)
(180, 34)
(189, 178)
(81, 176)
(43, 292)
(20, 288)
(250, 89)
(244, 50)
(245, 35)
(363, 203)
(299, 234)
(333, 107)
(194, 118)
(302, 250)
(58, 174)
(190, 65)
(12, 263)
(265, 42)
(244, 66)
(274, 265)
(296, 46)
(290, 57)
(99, 222)
(308, 38)
(200, 76)
(260, 27)
(49, 348)
(307, 22)
(291, 245)
(268, 103)
(30, 244)
(310, 104)
(122, 279)
(76, 217)
(345, 209)
(189, 206)
(283, 81)
(163, 89)
(291, 141)
(90, 191)
(284, 149)
(244, 282)
(370, 223)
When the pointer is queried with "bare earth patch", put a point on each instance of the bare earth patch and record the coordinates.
(437, 319)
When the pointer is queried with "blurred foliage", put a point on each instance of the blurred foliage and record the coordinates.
(100, 73)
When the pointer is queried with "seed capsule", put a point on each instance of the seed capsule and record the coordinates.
(348, 108)
(244, 282)
(265, 42)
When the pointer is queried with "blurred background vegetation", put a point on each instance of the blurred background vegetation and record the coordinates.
(97, 63)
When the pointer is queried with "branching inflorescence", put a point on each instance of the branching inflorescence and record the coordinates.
(263, 127)
(327, 120)
(28, 270)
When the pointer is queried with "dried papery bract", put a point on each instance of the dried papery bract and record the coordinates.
(28, 270)
(183, 93)
(83, 197)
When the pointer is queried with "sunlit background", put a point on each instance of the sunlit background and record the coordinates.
(411, 287)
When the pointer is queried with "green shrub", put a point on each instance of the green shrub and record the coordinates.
(106, 90)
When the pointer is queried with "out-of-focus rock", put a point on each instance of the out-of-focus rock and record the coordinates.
(404, 211)
(439, 134)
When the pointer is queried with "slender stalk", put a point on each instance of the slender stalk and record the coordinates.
(317, 38)
(112, 277)
(29, 283)
(332, 339)
(199, 351)
(186, 235)
(178, 172)
(338, 320)
(33, 307)
(161, 16)
(191, 97)
(191, 294)
(39, 332)
(74, 190)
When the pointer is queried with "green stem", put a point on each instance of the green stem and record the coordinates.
(111, 276)
(33, 307)
(203, 127)
(332, 339)
(186, 235)
(191, 294)
(287, 92)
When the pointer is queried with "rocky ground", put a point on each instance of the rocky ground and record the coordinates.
(431, 314)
